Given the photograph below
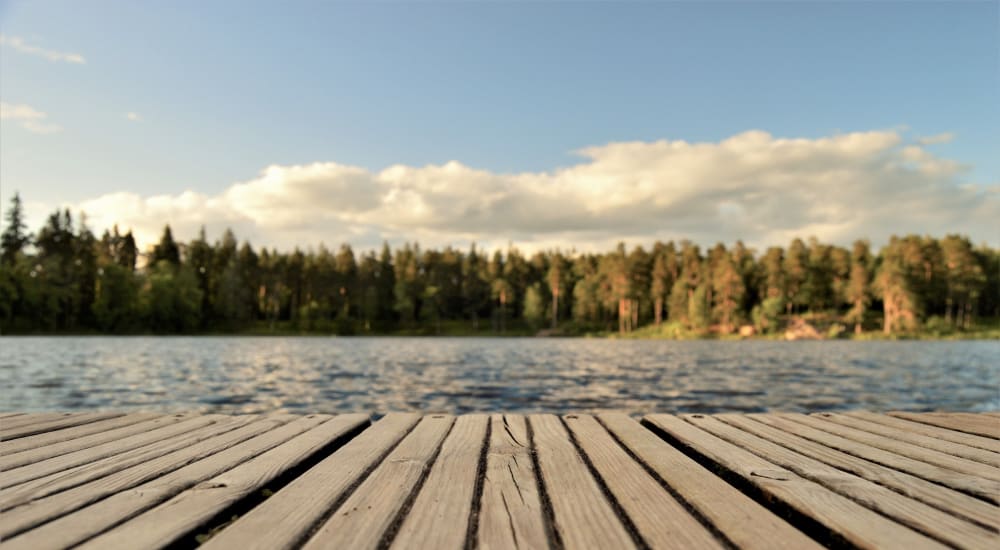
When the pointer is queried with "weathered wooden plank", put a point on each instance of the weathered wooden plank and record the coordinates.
(5, 416)
(41, 440)
(78, 475)
(363, 520)
(915, 452)
(583, 517)
(34, 418)
(435, 520)
(138, 423)
(982, 488)
(944, 498)
(976, 441)
(510, 512)
(736, 516)
(843, 517)
(928, 520)
(285, 519)
(661, 521)
(946, 447)
(67, 420)
(76, 527)
(34, 513)
(67, 461)
(984, 425)
(173, 520)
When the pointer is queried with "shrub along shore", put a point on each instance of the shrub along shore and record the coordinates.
(66, 280)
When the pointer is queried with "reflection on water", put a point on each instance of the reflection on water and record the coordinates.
(473, 374)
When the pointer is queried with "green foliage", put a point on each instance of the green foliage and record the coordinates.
(534, 306)
(699, 316)
(767, 314)
(172, 300)
(116, 302)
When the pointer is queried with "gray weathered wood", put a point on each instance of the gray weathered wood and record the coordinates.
(910, 450)
(49, 439)
(969, 440)
(364, 518)
(983, 425)
(738, 517)
(510, 512)
(583, 516)
(977, 455)
(982, 488)
(139, 423)
(173, 520)
(67, 461)
(662, 522)
(76, 527)
(84, 473)
(31, 514)
(933, 494)
(285, 519)
(63, 421)
(34, 418)
(847, 519)
(930, 521)
(435, 518)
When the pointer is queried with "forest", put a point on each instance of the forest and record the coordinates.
(66, 280)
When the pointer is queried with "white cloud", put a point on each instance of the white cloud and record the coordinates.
(28, 117)
(751, 186)
(20, 45)
(134, 117)
(945, 137)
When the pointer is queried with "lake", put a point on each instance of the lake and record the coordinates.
(459, 375)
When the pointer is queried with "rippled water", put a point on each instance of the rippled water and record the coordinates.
(470, 374)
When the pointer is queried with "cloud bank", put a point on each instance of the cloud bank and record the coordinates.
(751, 186)
(18, 44)
(28, 117)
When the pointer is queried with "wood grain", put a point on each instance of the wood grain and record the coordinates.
(736, 516)
(843, 517)
(364, 518)
(78, 432)
(933, 494)
(947, 447)
(983, 425)
(510, 513)
(662, 522)
(928, 520)
(36, 512)
(583, 516)
(975, 441)
(434, 519)
(76, 527)
(286, 518)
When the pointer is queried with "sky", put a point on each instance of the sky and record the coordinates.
(545, 124)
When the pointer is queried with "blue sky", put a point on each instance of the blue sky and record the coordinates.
(222, 90)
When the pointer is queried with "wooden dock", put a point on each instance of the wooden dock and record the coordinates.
(102, 480)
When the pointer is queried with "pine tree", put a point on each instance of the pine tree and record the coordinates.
(14, 237)
(166, 250)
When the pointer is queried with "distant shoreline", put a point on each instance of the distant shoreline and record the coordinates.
(987, 331)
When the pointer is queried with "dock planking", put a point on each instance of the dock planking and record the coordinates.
(846, 479)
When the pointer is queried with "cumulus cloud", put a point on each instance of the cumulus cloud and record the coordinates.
(28, 117)
(18, 44)
(751, 186)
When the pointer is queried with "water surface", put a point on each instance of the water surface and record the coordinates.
(458, 375)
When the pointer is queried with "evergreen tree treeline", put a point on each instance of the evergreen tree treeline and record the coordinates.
(64, 279)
